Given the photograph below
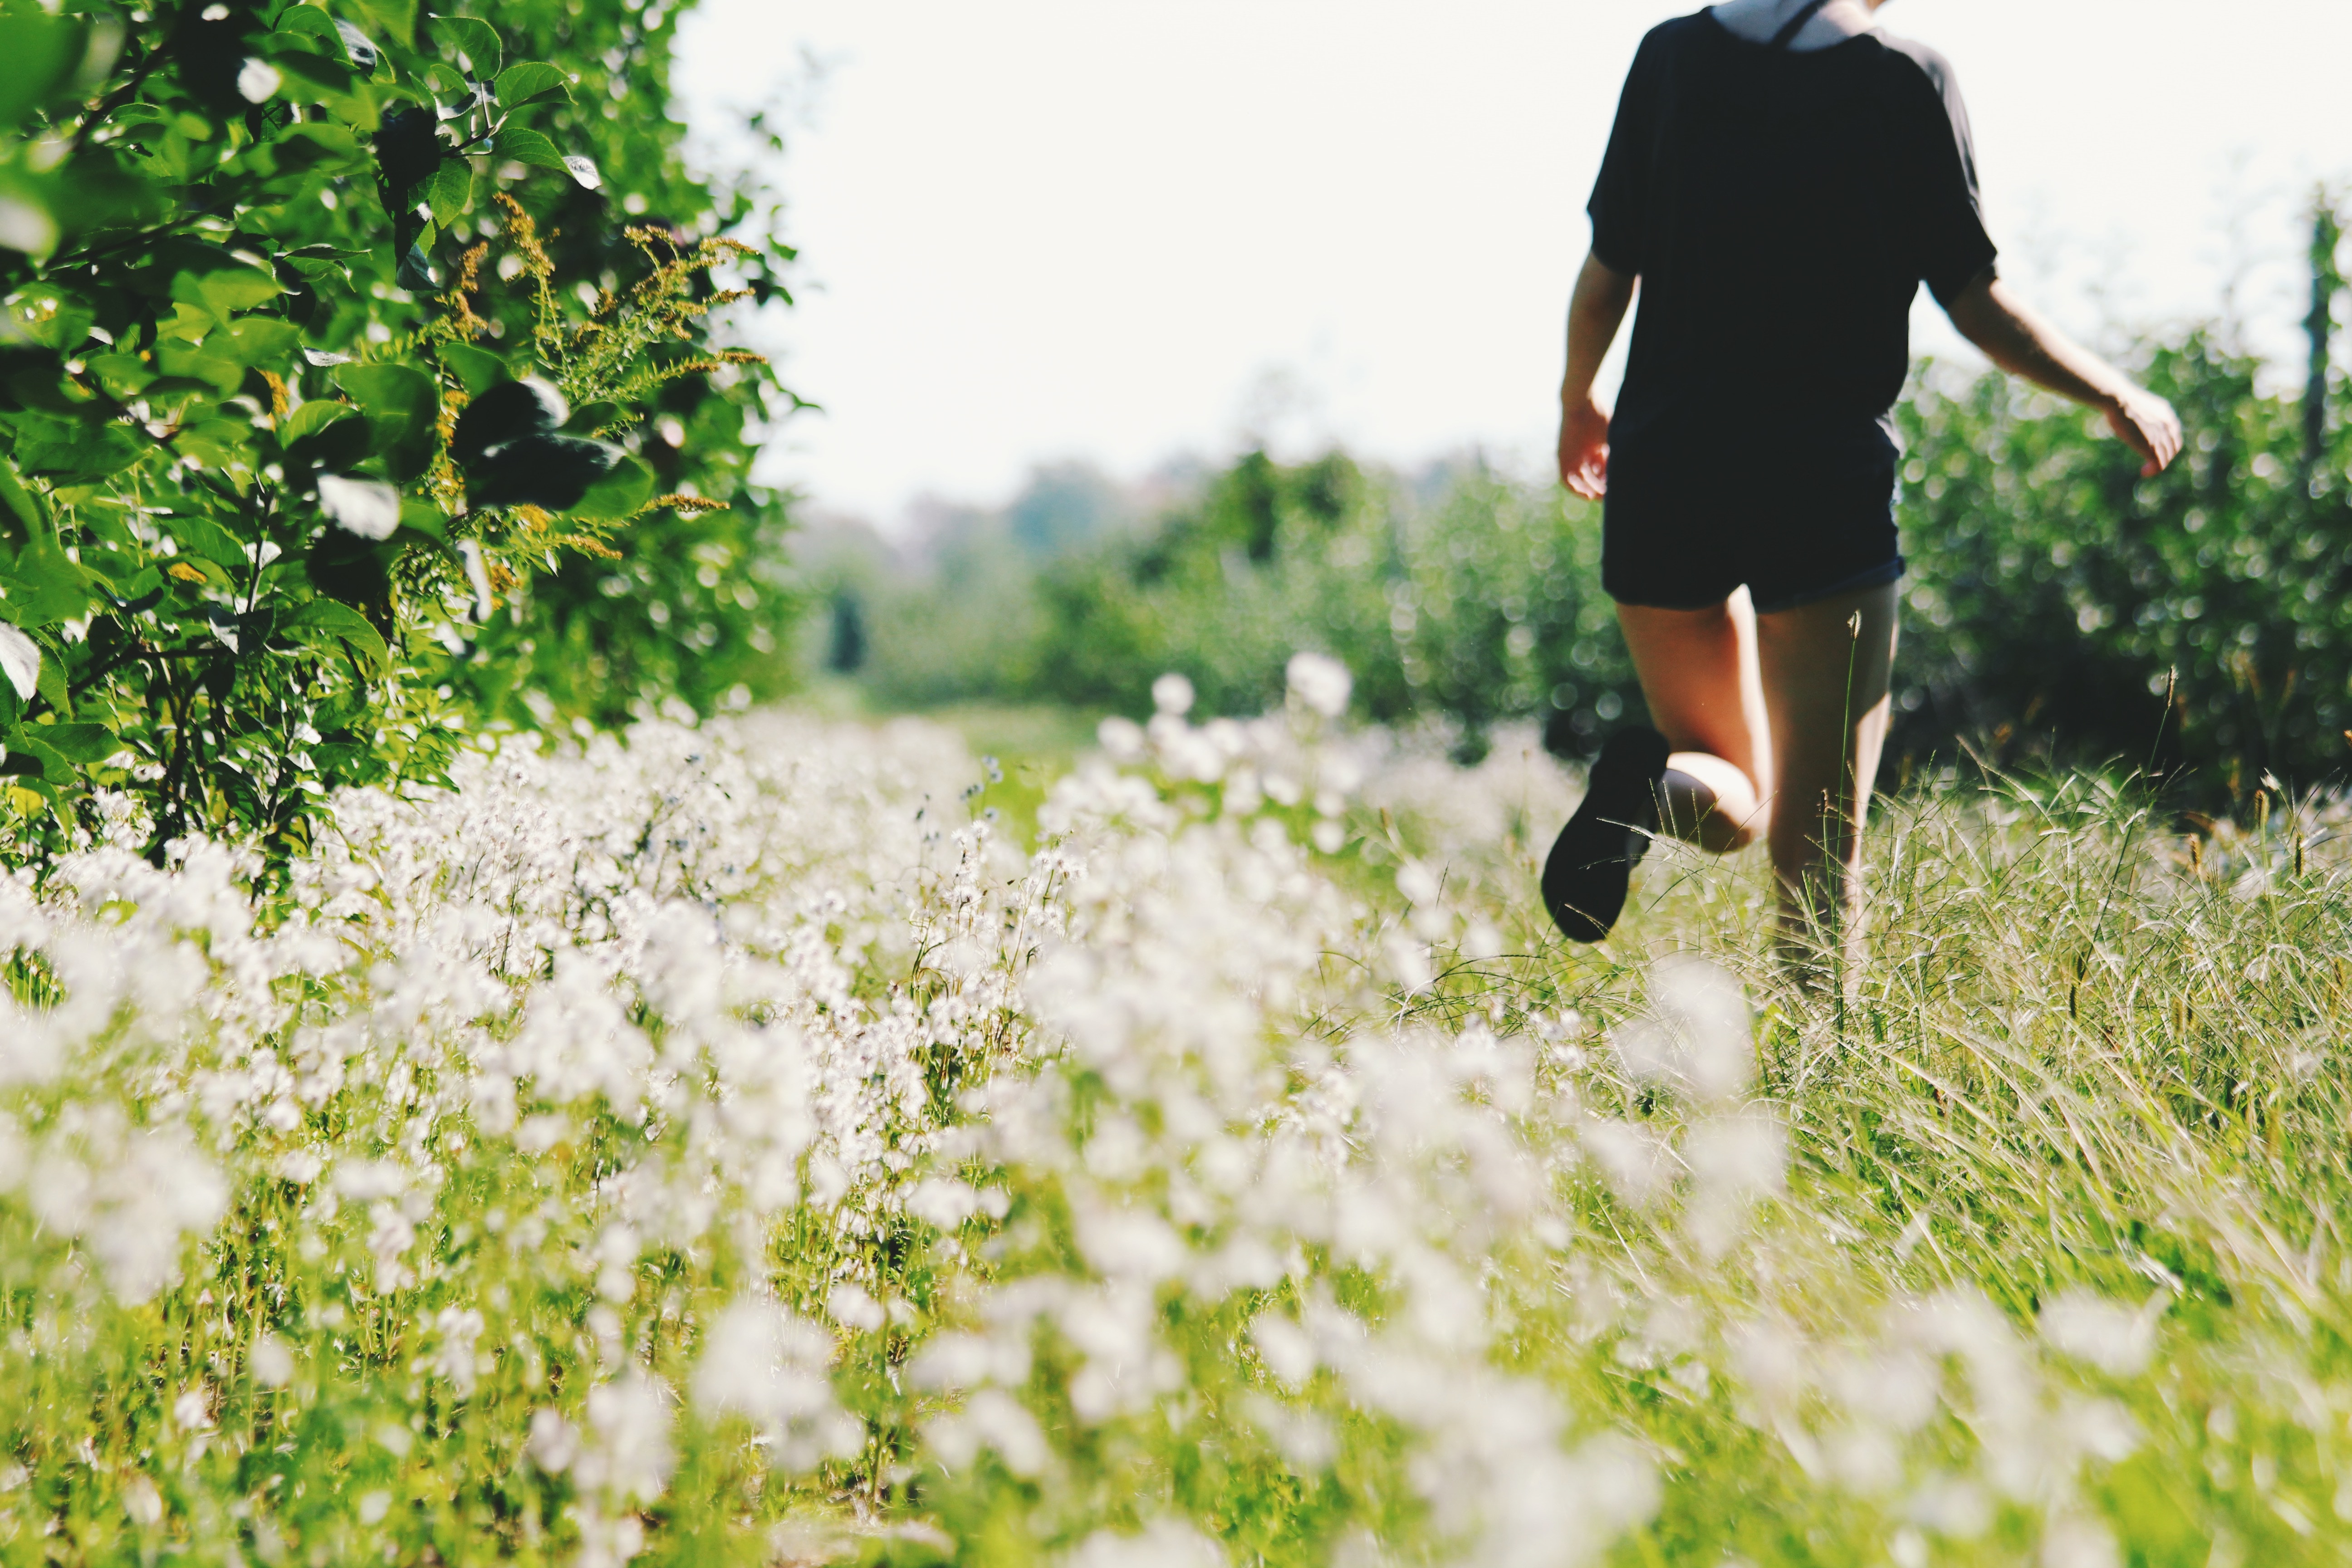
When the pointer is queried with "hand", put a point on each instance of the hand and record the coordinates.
(1584, 448)
(2146, 423)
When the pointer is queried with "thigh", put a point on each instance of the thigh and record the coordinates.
(1826, 667)
(1698, 674)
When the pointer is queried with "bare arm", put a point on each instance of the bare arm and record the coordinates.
(2022, 344)
(1594, 312)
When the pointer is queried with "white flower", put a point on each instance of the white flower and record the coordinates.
(271, 1361)
(553, 1443)
(628, 1454)
(1287, 1348)
(1632, 1158)
(761, 1362)
(852, 1307)
(1164, 1544)
(134, 1202)
(2087, 1326)
(2079, 1543)
(994, 1420)
(1738, 1156)
(1319, 681)
(457, 1329)
(944, 1203)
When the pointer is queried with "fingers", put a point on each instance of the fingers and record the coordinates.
(2149, 427)
(1584, 471)
(2150, 424)
(2169, 437)
(1592, 477)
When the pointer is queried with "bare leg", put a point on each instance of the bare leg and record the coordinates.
(1700, 676)
(1826, 668)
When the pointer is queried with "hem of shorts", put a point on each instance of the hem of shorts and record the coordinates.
(1616, 598)
(1885, 572)
(1876, 576)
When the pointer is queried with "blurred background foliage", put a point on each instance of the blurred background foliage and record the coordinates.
(2054, 597)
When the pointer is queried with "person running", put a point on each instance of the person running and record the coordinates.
(1780, 179)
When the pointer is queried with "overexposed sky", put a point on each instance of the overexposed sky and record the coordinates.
(1121, 229)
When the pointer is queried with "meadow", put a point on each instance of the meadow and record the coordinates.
(457, 1105)
(727, 1143)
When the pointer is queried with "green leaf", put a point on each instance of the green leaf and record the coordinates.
(553, 472)
(223, 374)
(314, 143)
(52, 684)
(596, 419)
(53, 769)
(515, 408)
(123, 375)
(24, 504)
(223, 288)
(310, 77)
(396, 18)
(316, 263)
(529, 80)
(311, 22)
(323, 622)
(312, 418)
(44, 586)
(530, 148)
(88, 744)
(257, 340)
(69, 452)
(450, 189)
(326, 434)
(416, 272)
(619, 493)
(46, 314)
(476, 370)
(424, 519)
(338, 41)
(42, 53)
(402, 404)
(200, 538)
(477, 40)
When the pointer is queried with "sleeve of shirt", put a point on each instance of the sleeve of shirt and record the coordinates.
(1952, 247)
(1621, 196)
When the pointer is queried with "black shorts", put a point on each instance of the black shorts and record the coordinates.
(1796, 518)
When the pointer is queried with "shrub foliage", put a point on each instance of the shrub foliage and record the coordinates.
(338, 408)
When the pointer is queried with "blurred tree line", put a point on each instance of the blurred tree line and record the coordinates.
(2054, 597)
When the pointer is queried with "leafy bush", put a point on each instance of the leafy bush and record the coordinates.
(1480, 606)
(2056, 598)
(320, 342)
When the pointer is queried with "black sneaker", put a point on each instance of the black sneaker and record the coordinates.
(1591, 864)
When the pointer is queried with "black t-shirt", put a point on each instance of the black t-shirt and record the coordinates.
(1782, 209)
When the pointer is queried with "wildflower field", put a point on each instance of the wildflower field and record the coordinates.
(724, 1144)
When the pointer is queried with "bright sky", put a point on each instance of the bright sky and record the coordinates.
(1120, 230)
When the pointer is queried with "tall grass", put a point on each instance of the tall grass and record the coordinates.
(723, 1147)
